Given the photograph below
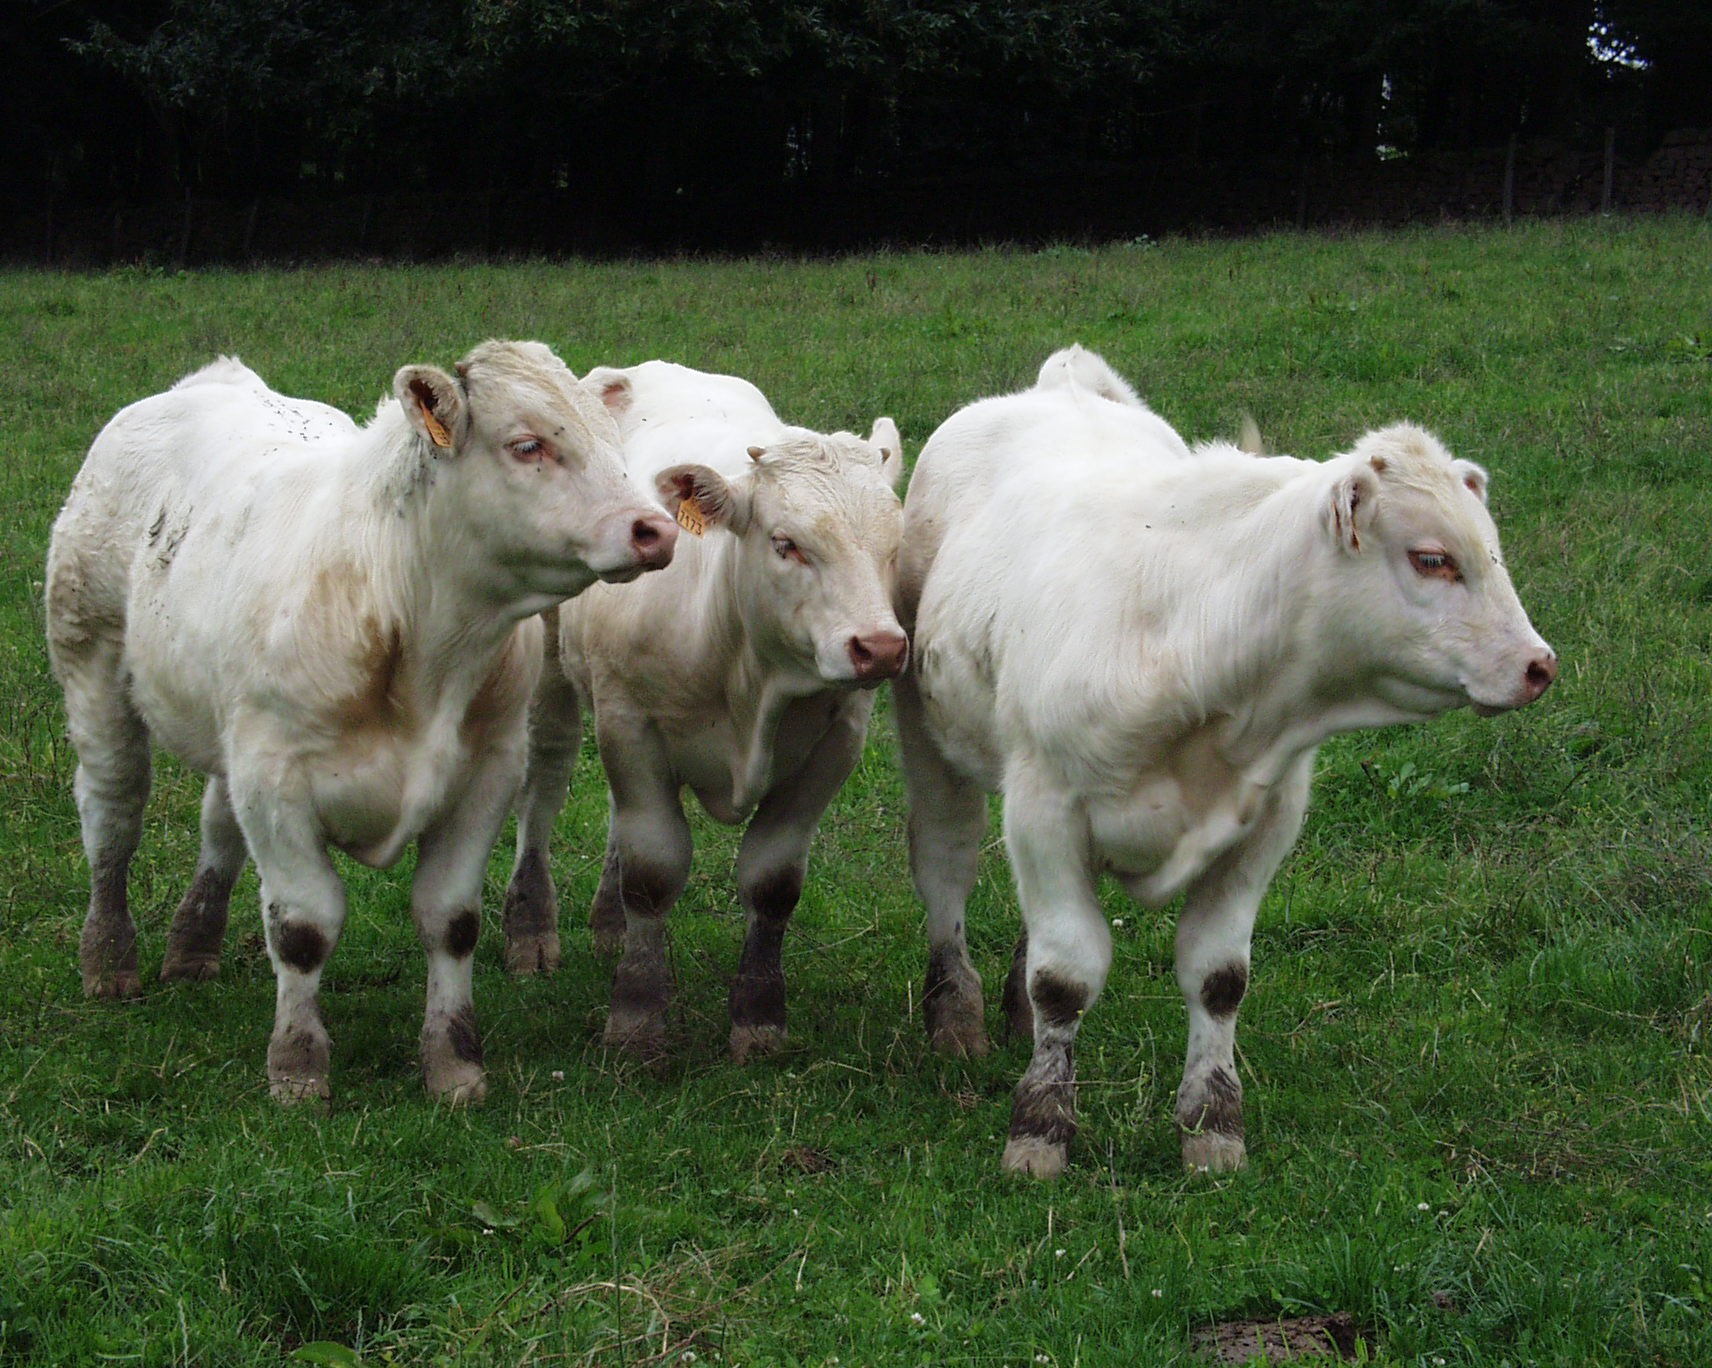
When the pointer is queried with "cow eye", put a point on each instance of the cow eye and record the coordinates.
(1435, 565)
(786, 549)
(527, 448)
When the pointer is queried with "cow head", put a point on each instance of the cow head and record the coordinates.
(817, 524)
(542, 492)
(1423, 595)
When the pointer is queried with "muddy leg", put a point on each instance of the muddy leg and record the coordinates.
(947, 823)
(199, 926)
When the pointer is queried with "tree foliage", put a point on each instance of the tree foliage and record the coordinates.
(708, 107)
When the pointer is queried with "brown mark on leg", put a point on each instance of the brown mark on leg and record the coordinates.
(198, 928)
(642, 983)
(951, 1005)
(1222, 990)
(1043, 1111)
(1019, 1011)
(462, 933)
(302, 946)
(531, 918)
(107, 947)
(757, 999)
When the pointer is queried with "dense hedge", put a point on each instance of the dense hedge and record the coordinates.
(715, 118)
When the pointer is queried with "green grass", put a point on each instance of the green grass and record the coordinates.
(1475, 1049)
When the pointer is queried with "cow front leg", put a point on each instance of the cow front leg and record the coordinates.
(111, 788)
(773, 861)
(649, 864)
(606, 915)
(199, 925)
(303, 914)
(947, 823)
(531, 915)
(1213, 955)
(445, 904)
(1069, 953)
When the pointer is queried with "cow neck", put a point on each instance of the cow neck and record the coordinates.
(756, 691)
(438, 589)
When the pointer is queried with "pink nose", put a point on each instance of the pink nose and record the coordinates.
(878, 655)
(653, 538)
(1539, 675)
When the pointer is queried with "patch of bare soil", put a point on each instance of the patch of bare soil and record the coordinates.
(1303, 1339)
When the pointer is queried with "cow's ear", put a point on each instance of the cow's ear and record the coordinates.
(611, 387)
(886, 437)
(434, 404)
(1350, 512)
(1472, 476)
(699, 498)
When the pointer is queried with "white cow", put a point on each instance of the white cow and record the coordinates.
(740, 674)
(1141, 646)
(340, 627)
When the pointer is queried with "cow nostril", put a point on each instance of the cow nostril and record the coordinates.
(1540, 675)
(644, 533)
(859, 653)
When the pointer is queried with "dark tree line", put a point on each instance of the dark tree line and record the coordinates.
(727, 122)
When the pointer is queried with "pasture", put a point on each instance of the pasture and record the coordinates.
(1477, 1047)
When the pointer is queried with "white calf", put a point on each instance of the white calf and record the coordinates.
(739, 674)
(339, 626)
(1141, 647)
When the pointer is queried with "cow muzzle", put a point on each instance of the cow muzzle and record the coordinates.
(1538, 675)
(877, 656)
(648, 544)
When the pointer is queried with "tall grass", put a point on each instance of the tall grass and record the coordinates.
(1475, 1049)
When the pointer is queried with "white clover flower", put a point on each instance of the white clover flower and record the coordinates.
(916, 1318)
(1159, 1291)
(1423, 1206)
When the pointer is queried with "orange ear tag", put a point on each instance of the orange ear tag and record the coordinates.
(691, 518)
(436, 430)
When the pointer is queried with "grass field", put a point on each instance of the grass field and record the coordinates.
(1476, 1048)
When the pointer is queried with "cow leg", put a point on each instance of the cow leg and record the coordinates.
(445, 903)
(199, 926)
(111, 788)
(1068, 956)
(771, 864)
(1213, 936)
(648, 864)
(947, 823)
(531, 915)
(1019, 1011)
(303, 913)
(606, 916)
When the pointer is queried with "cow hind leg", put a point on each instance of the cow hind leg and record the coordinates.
(531, 915)
(199, 925)
(112, 788)
(947, 823)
